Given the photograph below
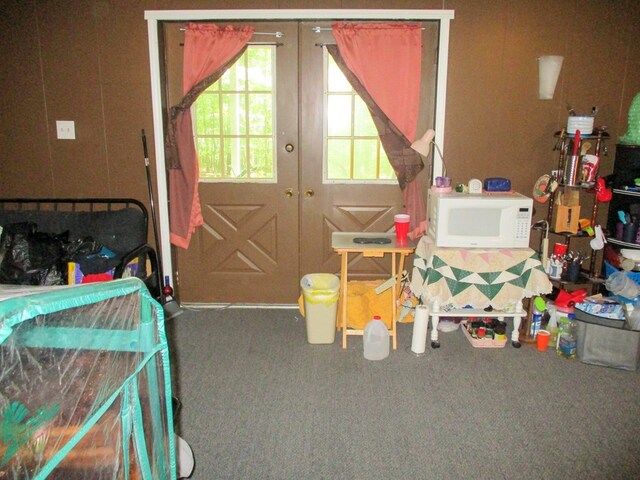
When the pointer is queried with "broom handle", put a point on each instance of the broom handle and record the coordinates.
(153, 212)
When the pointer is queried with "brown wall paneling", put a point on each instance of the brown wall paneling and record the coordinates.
(71, 69)
(474, 90)
(519, 156)
(88, 61)
(595, 67)
(126, 96)
(25, 164)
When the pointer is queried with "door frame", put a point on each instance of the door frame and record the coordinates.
(444, 17)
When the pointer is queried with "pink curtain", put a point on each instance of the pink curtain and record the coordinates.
(208, 51)
(386, 59)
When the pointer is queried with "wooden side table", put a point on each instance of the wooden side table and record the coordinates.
(343, 244)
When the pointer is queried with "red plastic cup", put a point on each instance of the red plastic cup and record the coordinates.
(542, 339)
(401, 221)
(560, 248)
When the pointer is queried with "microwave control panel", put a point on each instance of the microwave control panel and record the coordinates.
(523, 223)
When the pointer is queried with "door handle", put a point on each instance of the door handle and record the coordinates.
(309, 193)
(288, 192)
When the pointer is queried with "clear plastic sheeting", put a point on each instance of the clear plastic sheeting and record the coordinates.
(85, 390)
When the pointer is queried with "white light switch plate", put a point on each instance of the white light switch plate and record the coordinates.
(66, 129)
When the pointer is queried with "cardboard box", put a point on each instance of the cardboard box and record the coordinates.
(566, 219)
(499, 342)
(602, 307)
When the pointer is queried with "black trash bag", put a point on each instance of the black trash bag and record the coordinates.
(82, 248)
(92, 256)
(30, 257)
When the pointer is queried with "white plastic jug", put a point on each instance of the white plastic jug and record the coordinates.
(376, 340)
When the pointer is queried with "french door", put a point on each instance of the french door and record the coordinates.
(326, 205)
(260, 238)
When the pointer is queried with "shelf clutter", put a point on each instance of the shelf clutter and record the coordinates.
(573, 193)
(486, 332)
(624, 209)
(599, 324)
(596, 329)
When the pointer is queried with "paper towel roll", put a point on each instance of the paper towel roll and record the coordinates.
(419, 339)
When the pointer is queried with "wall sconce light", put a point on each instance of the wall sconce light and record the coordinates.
(549, 70)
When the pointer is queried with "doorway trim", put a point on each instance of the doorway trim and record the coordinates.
(155, 16)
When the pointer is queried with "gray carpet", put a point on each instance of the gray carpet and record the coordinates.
(259, 402)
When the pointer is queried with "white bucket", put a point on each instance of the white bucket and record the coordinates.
(584, 123)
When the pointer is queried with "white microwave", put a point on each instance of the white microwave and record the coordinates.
(482, 220)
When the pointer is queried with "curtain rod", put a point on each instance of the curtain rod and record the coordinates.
(329, 29)
(275, 34)
(275, 44)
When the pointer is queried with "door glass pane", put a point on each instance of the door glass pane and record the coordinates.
(209, 153)
(260, 68)
(235, 161)
(336, 81)
(362, 122)
(261, 152)
(364, 159)
(234, 121)
(208, 111)
(339, 115)
(386, 170)
(339, 151)
(260, 114)
(234, 79)
(233, 116)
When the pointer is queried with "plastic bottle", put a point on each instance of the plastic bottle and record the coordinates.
(566, 344)
(376, 340)
(552, 326)
(536, 322)
(539, 306)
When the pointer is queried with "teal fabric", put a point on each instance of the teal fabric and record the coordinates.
(87, 368)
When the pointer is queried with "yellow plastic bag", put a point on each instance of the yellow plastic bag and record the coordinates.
(363, 303)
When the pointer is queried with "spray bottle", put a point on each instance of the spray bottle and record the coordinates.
(552, 326)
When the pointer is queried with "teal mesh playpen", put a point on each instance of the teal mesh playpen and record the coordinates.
(85, 390)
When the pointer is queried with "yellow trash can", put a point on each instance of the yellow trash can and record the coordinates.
(320, 292)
